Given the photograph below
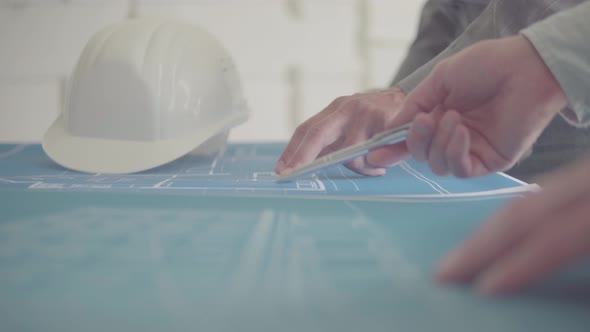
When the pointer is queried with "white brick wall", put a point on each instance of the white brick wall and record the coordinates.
(27, 107)
(295, 56)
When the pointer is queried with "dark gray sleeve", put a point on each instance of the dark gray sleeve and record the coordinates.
(441, 22)
(500, 18)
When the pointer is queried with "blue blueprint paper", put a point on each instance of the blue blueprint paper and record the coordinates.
(128, 262)
(243, 169)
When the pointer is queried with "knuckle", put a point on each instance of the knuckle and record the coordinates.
(341, 99)
(312, 133)
(303, 128)
(338, 102)
(353, 103)
(315, 131)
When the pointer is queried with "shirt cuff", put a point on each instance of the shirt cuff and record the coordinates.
(561, 41)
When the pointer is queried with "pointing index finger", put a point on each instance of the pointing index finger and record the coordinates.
(310, 139)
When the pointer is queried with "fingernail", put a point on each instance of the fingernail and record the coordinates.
(287, 171)
(280, 165)
(449, 266)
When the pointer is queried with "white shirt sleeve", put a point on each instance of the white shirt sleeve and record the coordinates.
(563, 41)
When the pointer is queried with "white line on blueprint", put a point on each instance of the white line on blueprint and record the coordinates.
(347, 178)
(468, 195)
(321, 185)
(406, 167)
(159, 184)
(234, 188)
(428, 179)
(332, 181)
(512, 178)
(213, 164)
(266, 177)
(13, 181)
(172, 183)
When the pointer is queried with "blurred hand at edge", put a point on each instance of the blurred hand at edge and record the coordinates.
(529, 238)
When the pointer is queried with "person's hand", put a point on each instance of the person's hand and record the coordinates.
(479, 111)
(529, 238)
(346, 121)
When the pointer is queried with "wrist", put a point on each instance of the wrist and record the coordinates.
(397, 94)
(398, 91)
(555, 97)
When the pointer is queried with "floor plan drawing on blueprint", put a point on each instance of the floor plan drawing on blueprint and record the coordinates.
(242, 169)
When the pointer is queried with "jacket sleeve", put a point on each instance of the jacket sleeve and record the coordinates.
(441, 22)
(499, 18)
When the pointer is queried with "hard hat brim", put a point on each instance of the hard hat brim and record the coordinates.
(108, 156)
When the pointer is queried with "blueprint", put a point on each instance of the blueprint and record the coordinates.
(120, 262)
(242, 169)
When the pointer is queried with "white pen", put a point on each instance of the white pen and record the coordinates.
(387, 137)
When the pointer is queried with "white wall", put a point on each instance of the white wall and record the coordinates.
(295, 56)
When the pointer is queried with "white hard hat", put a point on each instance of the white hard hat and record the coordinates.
(145, 92)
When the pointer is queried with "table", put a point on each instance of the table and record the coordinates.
(106, 255)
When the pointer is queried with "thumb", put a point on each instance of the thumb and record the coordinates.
(425, 98)
(388, 156)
